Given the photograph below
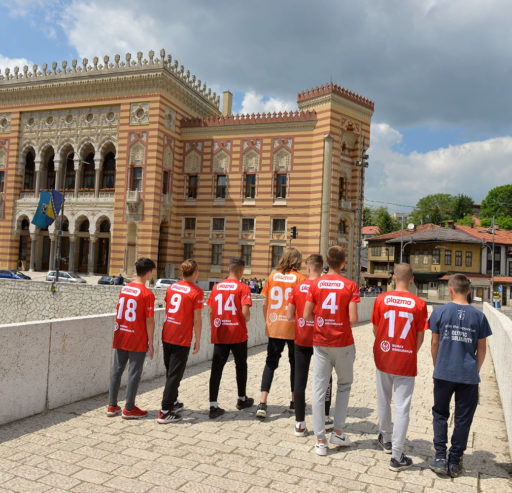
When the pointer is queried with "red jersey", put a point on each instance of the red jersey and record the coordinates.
(303, 330)
(227, 320)
(136, 303)
(331, 295)
(399, 316)
(181, 300)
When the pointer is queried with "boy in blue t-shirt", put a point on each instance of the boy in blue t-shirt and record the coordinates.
(458, 350)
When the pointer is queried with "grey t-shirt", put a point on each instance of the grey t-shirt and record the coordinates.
(459, 328)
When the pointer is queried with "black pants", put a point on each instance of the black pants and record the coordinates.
(303, 356)
(274, 349)
(220, 356)
(466, 400)
(175, 360)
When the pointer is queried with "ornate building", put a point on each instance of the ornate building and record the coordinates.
(150, 166)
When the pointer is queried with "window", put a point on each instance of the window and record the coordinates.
(247, 254)
(88, 171)
(376, 251)
(190, 223)
(342, 228)
(69, 180)
(136, 179)
(109, 171)
(192, 181)
(416, 256)
(250, 186)
(218, 224)
(2, 181)
(342, 189)
(277, 253)
(278, 225)
(216, 254)
(436, 256)
(188, 251)
(425, 257)
(220, 187)
(50, 174)
(28, 179)
(248, 224)
(458, 258)
(280, 185)
(497, 260)
(165, 183)
(469, 259)
(447, 257)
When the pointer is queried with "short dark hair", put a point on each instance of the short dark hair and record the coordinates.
(144, 265)
(315, 261)
(236, 263)
(459, 283)
(335, 257)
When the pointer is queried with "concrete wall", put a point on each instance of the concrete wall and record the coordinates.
(500, 344)
(44, 365)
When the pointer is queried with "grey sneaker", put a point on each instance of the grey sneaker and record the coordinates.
(399, 465)
(321, 448)
(439, 466)
(341, 440)
(386, 446)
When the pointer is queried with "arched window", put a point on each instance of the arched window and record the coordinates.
(28, 179)
(65, 225)
(342, 227)
(109, 171)
(105, 226)
(50, 173)
(84, 226)
(25, 225)
(88, 164)
(69, 182)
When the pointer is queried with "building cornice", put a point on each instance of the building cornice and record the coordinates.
(348, 106)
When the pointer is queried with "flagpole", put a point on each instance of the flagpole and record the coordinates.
(59, 237)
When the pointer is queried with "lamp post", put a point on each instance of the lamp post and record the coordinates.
(363, 163)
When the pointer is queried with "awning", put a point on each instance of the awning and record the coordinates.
(426, 276)
(367, 275)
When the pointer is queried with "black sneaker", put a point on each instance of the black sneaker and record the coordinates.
(261, 411)
(248, 402)
(215, 412)
(439, 466)
(399, 465)
(177, 407)
(291, 409)
(386, 446)
(454, 469)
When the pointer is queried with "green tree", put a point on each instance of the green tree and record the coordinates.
(384, 221)
(503, 222)
(368, 216)
(462, 206)
(498, 203)
(434, 208)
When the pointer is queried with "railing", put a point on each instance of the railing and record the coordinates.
(133, 196)
(247, 235)
(345, 204)
(27, 194)
(217, 235)
(189, 233)
(279, 235)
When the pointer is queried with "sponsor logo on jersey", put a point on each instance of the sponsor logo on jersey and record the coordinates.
(385, 346)
(392, 300)
(116, 326)
(130, 290)
(304, 288)
(320, 321)
(285, 277)
(180, 288)
(273, 317)
(328, 284)
(217, 322)
(302, 322)
(227, 286)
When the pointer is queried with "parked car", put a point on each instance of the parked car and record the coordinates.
(12, 274)
(64, 276)
(109, 280)
(164, 283)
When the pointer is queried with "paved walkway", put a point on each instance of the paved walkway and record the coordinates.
(76, 448)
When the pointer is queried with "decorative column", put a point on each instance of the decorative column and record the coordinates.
(326, 195)
(33, 244)
(58, 173)
(503, 261)
(92, 253)
(78, 176)
(51, 262)
(97, 175)
(72, 243)
(37, 185)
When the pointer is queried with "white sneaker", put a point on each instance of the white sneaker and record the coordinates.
(321, 448)
(300, 430)
(329, 423)
(339, 440)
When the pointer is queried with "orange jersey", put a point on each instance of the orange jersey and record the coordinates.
(277, 290)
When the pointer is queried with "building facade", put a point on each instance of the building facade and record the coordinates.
(151, 166)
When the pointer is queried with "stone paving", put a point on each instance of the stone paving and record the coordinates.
(76, 448)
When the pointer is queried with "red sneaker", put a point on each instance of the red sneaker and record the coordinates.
(113, 411)
(135, 413)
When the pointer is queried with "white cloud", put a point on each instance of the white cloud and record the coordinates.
(6, 62)
(256, 103)
(472, 168)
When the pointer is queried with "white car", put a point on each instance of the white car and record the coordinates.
(64, 276)
(164, 283)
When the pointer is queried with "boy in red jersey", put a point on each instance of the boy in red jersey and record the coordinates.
(183, 302)
(332, 304)
(304, 344)
(230, 302)
(133, 338)
(399, 322)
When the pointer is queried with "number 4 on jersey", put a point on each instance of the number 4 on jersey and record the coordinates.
(330, 303)
(391, 316)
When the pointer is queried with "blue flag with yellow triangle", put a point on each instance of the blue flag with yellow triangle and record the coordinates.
(48, 208)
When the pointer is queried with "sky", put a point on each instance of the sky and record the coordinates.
(439, 71)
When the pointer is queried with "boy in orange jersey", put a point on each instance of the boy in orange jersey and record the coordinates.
(279, 330)
(399, 322)
(133, 338)
(304, 344)
(230, 302)
(332, 304)
(184, 302)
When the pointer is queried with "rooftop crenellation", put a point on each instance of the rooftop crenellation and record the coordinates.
(109, 67)
(335, 89)
(250, 119)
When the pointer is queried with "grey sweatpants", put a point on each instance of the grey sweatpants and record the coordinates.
(402, 393)
(121, 357)
(325, 359)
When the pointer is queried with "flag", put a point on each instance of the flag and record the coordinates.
(48, 208)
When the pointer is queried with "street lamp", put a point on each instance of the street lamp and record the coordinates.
(362, 163)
